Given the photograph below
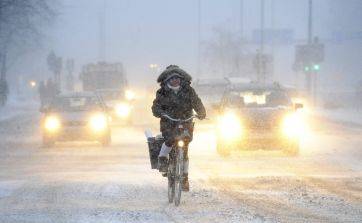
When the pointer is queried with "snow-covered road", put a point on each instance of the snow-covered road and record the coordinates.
(83, 182)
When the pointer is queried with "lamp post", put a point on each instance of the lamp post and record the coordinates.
(154, 68)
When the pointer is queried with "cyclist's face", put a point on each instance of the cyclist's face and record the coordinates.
(175, 81)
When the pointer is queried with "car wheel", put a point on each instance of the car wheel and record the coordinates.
(223, 150)
(106, 140)
(48, 142)
(292, 149)
(129, 121)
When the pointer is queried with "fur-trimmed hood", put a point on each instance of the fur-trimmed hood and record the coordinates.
(173, 69)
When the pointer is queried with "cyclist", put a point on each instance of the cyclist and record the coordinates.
(177, 99)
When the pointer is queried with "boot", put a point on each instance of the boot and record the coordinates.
(185, 183)
(162, 164)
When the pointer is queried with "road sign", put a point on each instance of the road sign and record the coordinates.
(309, 55)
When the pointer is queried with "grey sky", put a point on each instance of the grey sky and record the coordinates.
(140, 32)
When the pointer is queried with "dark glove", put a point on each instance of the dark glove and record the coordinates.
(201, 117)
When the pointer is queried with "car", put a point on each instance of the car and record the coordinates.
(210, 90)
(120, 104)
(258, 116)
(74, 117)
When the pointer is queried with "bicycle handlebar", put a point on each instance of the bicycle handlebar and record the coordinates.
(180, 120)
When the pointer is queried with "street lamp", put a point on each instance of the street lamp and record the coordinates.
(153, 66)
(32, 84)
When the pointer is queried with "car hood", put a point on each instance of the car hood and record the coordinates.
(113, 103)
(81, 116)
(264, 117)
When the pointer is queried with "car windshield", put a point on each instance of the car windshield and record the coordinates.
(271, 98)
(111, 95)
(211, 93)
(79, 103)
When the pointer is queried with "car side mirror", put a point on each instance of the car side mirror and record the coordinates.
(298, 106)
(44, 109)
(215, 106)
(108, 108)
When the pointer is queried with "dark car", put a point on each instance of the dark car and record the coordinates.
(76, 117)
(120, 104)
(258, 117)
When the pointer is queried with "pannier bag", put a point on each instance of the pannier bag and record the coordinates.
(154, 147)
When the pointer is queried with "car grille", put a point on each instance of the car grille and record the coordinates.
(262, 123)
(75, 123)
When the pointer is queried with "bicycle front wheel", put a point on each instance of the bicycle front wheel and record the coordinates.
(171, 183)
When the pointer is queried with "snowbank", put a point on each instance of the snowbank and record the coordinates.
(16, 107)
(346, 115)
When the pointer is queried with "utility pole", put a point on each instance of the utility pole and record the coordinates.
(311, 74)
(272, 56)
(70, 78)
(310, 21)
(309, 56)
(198, 37)
(102, 33)
(241, 26)
(273, 23)
(261, 61)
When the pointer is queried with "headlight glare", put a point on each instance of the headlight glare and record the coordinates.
(122, 110)
(181, 143)
(293, 125)
(52, 123)
(130, 95)
(230, 126)
(98, 122)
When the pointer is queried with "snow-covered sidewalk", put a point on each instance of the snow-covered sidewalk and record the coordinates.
(344, 115)
(15, 108)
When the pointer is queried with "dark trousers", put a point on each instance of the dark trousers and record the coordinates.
(170, 136)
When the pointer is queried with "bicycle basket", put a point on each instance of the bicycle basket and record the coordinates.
(154, 147)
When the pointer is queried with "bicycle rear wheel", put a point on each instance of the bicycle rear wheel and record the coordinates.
(178, 176)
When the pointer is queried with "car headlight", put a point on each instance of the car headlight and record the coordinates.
(122, 110)
(52, 123)
(230, 126)
(130, 95)
(293, 125)
(98, 122)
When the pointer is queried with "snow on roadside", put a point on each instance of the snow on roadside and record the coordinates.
(15, 108)
(346, 115)
(8, 187)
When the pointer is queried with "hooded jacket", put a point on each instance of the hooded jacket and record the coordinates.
(178, 105)
(173, 69)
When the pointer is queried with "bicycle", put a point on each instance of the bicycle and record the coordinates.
(175, 172)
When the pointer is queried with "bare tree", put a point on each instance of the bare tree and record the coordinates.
(70, 77)
(55, 65)
(225, 52)
(21, 23)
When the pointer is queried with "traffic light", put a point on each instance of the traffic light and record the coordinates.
(309, 56)
(316, 67)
